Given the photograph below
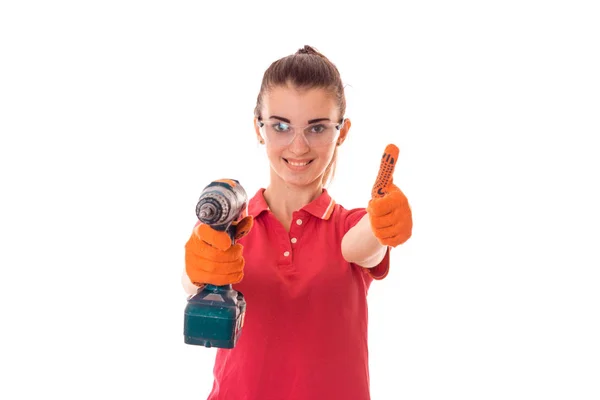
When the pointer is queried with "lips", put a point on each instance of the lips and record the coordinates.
(297, 163)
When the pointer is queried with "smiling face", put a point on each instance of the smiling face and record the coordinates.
(302, 162)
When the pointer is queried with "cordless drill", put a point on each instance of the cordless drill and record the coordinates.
(215, 315)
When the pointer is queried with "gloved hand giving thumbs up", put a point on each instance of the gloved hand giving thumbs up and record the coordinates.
(389, 212)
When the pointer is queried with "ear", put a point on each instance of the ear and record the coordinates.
(344, 131)
(259, 137)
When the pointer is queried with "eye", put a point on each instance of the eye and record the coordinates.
(317, 128)
(281, 127)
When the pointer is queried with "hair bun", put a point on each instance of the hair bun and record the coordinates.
(307, 50)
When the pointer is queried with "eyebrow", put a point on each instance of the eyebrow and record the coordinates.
(312, 121)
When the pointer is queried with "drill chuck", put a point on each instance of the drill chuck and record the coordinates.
(213, 209)
(221, 203)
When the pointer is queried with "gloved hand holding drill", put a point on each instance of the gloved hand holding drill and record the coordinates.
(210, 256)
(389, 211)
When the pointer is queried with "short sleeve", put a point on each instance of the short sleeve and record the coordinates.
(352, 217)
(379, 271)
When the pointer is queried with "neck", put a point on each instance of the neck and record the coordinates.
(283, 199)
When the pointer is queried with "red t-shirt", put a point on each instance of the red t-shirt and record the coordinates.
(305, 330)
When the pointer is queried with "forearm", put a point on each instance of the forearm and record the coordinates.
(187, 284)
(360, 246)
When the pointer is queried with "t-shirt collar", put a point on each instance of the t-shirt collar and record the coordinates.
(321, 207)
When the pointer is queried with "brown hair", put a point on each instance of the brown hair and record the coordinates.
(306, 69)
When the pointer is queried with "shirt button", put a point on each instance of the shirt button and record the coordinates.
(294, 240)
(287, 253)
(299, 221)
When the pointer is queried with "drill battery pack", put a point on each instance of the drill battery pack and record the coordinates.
(214, 317)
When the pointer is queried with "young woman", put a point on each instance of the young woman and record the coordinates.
(303, 262)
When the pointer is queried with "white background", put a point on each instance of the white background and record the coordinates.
(115, 114)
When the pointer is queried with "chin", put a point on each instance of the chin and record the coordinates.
(303, 182)
(305, 178)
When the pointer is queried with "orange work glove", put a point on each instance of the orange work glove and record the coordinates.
(388, 209)
(211, 258)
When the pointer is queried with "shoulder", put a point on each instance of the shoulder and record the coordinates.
(347, 218)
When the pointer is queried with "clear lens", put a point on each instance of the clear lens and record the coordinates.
(280, 133)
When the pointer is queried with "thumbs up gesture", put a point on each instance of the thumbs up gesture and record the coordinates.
(389, 212)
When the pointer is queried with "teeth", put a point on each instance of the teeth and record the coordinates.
(295, 164)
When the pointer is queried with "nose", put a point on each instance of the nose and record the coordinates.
(299, 144)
